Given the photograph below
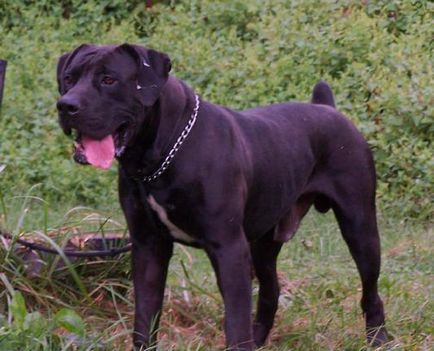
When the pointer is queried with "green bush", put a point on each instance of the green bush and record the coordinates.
(377, 57)
(33, 331)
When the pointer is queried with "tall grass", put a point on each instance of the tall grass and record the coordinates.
(318, 307)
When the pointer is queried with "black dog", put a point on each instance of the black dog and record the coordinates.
(236, 184)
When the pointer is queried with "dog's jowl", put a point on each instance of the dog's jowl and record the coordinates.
(235, 184)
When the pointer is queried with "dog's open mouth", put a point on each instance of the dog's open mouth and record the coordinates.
(100, 152)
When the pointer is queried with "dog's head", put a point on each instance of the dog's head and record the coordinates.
(105, 93)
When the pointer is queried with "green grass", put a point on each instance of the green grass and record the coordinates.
(378, 57)
(318, 309)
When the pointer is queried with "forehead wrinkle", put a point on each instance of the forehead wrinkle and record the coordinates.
(112, 60)
(101, 59)
(82, 62)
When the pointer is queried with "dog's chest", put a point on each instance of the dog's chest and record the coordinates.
(175, 231)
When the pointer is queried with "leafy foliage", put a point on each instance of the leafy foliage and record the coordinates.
(33, 331)
(376, 55)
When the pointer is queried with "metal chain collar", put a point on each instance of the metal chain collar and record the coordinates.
(168, 160)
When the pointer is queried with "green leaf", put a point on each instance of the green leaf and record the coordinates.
(35, 324)
(18, 309)
(3, 320)
(70, 320)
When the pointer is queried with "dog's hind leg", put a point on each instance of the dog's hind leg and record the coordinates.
(357, 221)
(264, 256)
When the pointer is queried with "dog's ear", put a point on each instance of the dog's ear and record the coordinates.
(63, 63)
(153, 69)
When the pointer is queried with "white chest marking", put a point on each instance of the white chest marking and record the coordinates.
(173, 229)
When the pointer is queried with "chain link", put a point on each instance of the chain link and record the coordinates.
(168, 160)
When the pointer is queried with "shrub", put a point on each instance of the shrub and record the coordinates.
(377, 56)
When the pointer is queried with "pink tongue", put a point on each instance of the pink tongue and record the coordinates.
(99, 153)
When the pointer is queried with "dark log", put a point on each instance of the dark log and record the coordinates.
(94, 244)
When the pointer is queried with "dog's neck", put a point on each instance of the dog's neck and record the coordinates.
(162, 125)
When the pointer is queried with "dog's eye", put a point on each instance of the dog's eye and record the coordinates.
(108, 80)
(67, 79)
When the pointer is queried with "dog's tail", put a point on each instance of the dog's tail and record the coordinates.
(322, 94)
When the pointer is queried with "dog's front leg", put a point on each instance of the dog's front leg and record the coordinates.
(151, 253)
(231, 260)
(149, 268)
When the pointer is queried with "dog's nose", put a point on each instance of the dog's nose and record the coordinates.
(68, 105)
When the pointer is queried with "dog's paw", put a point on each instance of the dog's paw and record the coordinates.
(378, 337)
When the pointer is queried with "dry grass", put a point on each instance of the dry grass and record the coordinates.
(318, 307)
